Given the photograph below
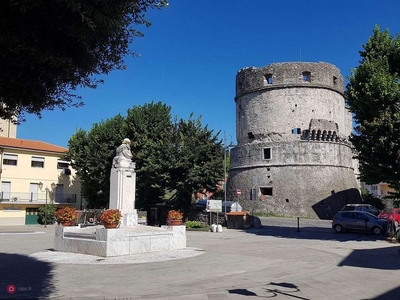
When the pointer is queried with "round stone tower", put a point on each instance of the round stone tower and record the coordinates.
(293, 156)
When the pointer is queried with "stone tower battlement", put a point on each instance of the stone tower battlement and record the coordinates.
(282, 75)
(296, 100)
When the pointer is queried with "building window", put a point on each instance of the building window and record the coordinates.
(268, 78)
(306, 76)
(296, 131)
(267, 191)
(10, 159)
(335, 80)
(37, 162)
(267, 153)
(5, 190)
(62, 164)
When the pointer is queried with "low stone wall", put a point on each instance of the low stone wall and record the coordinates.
(120, 241)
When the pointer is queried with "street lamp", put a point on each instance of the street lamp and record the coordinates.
(45, 209)
(225, 181)
(40, 185)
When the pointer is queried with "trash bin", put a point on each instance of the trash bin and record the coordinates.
(238, 220)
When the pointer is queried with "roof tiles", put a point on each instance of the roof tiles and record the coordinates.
(6, 142)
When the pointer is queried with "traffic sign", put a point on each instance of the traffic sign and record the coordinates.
(239, 192)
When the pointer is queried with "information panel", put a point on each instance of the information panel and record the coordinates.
(214, 205)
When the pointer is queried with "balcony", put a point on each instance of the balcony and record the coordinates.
(37, 198)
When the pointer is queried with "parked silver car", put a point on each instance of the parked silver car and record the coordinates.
(359, 221)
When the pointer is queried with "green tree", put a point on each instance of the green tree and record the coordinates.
(150, 127)
(368, 198)
(91, 154)
(47, 213)
(50, 48)
(373, 94)
(173, 160)
(197, 160)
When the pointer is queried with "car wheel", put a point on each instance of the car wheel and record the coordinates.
(338, 228)
(377, 231)
(396, 223)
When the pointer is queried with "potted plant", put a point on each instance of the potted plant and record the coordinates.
(66, 216)
(111, 218)
(175, 217)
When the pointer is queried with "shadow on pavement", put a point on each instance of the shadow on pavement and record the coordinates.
(390, 295)
(380, 258)
(23, 277)
(311, 233)
(271, 290)
(243, 292)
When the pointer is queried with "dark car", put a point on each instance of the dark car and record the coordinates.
(359, 221)
(361, 207)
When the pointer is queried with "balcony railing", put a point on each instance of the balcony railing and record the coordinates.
(55, 198)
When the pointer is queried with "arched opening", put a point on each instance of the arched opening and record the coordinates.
(306, 76)
(324, 134)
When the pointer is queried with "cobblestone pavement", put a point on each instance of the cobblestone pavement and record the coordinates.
(278, 260)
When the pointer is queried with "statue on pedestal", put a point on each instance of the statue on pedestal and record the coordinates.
(123, 184)
(123, 159)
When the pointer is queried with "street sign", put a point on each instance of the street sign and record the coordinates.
(239, 192)
(214, 205)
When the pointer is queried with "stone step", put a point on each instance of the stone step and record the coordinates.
(79, 235)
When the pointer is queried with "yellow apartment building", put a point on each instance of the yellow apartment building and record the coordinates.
(33, 174)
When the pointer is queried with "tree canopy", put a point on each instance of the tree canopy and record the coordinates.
(373, 95)
(197, 160)
(175, 158)
(150, 127)
(91, 155)
(50, 48)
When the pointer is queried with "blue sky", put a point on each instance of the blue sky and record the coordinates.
(192, 52)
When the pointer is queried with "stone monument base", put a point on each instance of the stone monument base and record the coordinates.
(130, 219)
(104, 242)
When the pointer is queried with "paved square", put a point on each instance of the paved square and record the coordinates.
(276, 261)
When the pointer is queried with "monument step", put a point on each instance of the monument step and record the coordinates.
(79, 235)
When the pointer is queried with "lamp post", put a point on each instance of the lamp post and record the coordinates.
(40, 185)
(225, 181)
(45, 210)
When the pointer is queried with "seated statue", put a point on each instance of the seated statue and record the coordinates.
(124, 155)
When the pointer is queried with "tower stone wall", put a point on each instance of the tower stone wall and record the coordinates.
(293, 155)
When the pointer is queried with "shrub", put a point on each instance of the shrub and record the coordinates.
(47, 213)
(368, 198)
(111, 216)
(193, 224)
(66, 214)
(175, 215)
